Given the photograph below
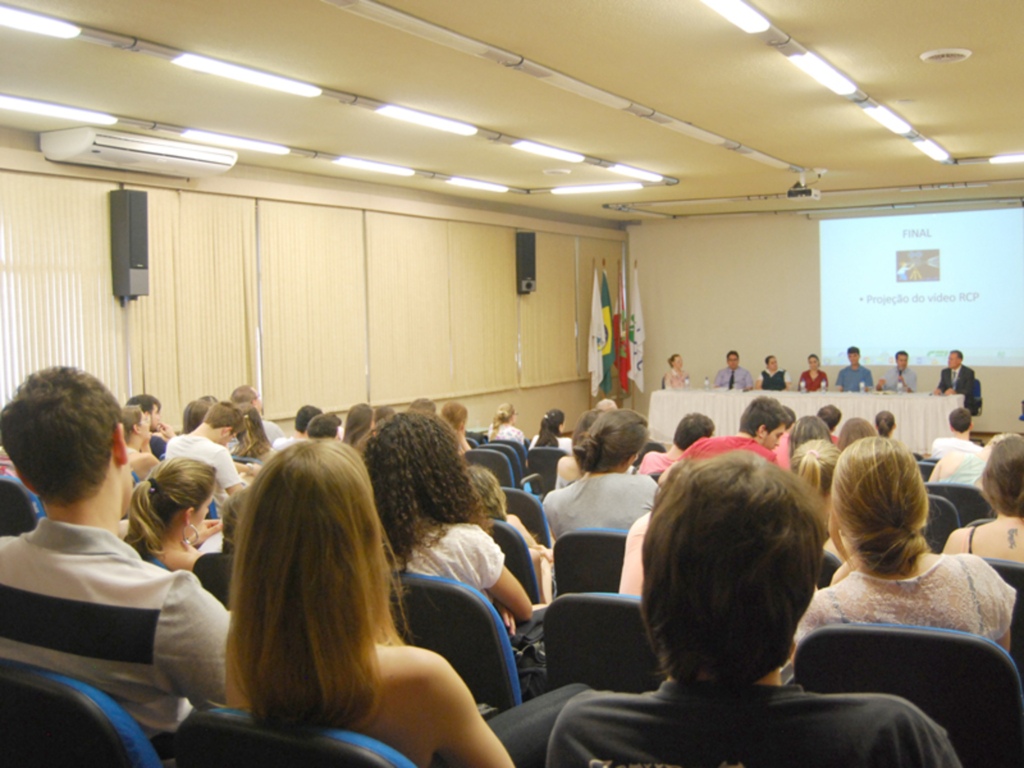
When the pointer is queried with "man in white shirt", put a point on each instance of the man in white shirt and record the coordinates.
(305, 415)
(247, 395)
(208, 443)
(961, 425)
(897, 374)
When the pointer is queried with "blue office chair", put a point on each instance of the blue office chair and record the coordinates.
(530, 511)
(17, 512)
(517, 558)
(589, 560)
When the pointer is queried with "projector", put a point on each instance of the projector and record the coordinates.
(798, 191)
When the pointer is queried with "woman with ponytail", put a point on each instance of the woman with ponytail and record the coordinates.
(880, 508)
(550, 435)
(606, 496)
(167, 517)
(504, 425)
(815, 462)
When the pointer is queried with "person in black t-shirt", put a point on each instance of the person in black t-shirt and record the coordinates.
(731, 561)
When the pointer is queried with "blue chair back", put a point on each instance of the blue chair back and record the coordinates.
(17, 512)
(495, 461)
(530, 511)
(942, 521)
(518, 447)
(517, 558)
(544, 461)
(49, 720)
(227, 738)
(828, 570)
(589, 560)
(970, 504)
(214, 572)
(1013, 574)
(509, 453)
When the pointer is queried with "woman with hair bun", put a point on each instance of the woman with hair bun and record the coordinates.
(606, 496)
(167, 517)
(504, 425)
(879, 511)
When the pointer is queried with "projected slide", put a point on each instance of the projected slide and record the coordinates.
(926, 283)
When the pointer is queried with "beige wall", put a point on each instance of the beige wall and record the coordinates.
(752, 284)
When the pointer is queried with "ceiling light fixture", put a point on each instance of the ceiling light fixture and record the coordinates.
(1000, 159)
(824, 73)
(889, 119)
(546, 151)
(430, 121)
(235, 142)
(245, 75)
(585, 188)
(55, 110)
(473, 184)
(369, 165)
(41, 25)
(740, 14)
(636, 173)
(933, 150)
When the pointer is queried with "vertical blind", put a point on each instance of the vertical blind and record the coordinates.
(549, 315)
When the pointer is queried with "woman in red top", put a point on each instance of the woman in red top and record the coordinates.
(813, 379)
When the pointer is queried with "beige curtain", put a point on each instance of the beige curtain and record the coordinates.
(56, 297)
(483, 308)
(314, 308)
(407, 288)
(594, 251)
(548, 316)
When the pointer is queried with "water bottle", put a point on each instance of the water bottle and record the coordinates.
(686, 383)
(707, 384)
(899, 387)
(862, 388)
(824, 387)
(803, 387)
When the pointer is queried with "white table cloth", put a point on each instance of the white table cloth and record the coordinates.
(920, 418)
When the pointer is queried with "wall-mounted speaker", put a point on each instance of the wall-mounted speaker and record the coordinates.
(129, 242)
(526, 262)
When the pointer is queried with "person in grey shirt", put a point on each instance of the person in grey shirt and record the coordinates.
(899, 372)
(606, 496)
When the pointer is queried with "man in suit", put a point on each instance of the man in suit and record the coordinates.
(958, 379)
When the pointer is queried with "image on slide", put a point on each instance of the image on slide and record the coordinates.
(917, 266)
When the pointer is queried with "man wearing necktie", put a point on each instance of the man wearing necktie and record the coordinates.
(732, 376)
(958, 379)
(899, 372)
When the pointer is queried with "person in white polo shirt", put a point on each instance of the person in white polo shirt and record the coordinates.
(208, 443)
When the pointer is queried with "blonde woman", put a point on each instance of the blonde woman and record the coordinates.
(167, 517)
(312, 515)
(815, 461)
(136, 437)
(504, 425)
(889, 576)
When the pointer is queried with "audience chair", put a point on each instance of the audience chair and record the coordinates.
(651, 446)
(459, 623)
(495, 461)
(544, 462)
(599, 640)
(927, 466)
(17, 512)
(479, 438)
(513, 459)
(967, 499)
(214, 572)
(977, 398)
(942, 521)
(530, 511)
(828, 570)
(516, 455)
(966, 683)
(517, 558)
(516, 446)
(589, 560)
(228, 738)
(472, 443)
(49, 720)
(1013, 574)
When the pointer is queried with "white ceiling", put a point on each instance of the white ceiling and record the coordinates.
(675, 56)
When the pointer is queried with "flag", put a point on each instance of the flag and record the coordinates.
(622, 355)
(598, 338)
(636, 333)
(607, 353)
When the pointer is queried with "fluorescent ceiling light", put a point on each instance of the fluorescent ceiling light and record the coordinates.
(585, 188)
(41, 25)
(824, 73)
(636, 173)
(546, 151)
(245, 75)
(369, 165)
(740, 14)
(889, 119)
(473, 184)
(933, 150)
(430, 121)
(55, 110)
(999, 159)
(234, 141)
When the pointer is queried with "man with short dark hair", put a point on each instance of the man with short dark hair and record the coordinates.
(76, 599)
(691, 428)
(730, 563)
(854, 375)
(958, 379)
(324, 427)
(161, 432)
(304, 415)
(246, 394)
(961, 425)
(733, 377)
(899, 374)
(761, 425)
(831, 416)
(208, 443)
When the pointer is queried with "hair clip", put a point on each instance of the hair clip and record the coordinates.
(153, 487)
(814, 454)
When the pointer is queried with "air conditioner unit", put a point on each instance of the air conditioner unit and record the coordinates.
(131, 152)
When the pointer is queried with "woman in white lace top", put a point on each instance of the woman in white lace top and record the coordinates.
(880, 508)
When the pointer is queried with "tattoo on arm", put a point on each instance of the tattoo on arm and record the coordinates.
(1011, 538)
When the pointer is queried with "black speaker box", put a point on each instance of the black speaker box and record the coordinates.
(526, 262)
(129, 242)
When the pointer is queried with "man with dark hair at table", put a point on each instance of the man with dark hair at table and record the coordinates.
(76, 599)
(247, 395)
(854, 375)
(305, 415)
(160, 431)
(958, 379)
(899, 374)
(733, 377)
(731, 561)
(761, 425)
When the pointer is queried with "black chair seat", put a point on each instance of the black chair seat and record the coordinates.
(589, 560)
(1013, 574)
(214, 573)
(942, 521)
(544, 462)
(17, 512)
(970, 504)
